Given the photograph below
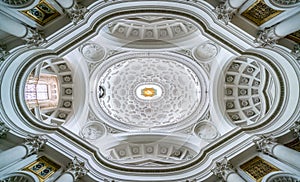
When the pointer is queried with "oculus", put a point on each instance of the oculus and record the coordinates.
(149, 92)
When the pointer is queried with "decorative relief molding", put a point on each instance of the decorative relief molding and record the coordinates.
(93, 130)
(77, 168)
(257, 168)
(206, 51)
(92, 52)
(34, 37)
(206, 130)
(225, 12)
(260, 12)
(265, 144)
(76, 12)
(267, 37)
(3, 130)
(34, 143)
(223, 169)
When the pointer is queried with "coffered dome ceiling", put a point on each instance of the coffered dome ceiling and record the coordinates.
(151, 92)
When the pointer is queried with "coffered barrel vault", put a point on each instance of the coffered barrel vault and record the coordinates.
(148, 91)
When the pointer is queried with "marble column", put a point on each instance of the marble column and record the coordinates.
(11, 27)
(270, 35)
(33, 37)
(226, 10)
(73, 10)
(226, 171)
(75, 170)
(32, 145)
(3, 130)
(268, 145)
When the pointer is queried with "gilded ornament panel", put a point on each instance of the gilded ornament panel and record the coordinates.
(257, 168)
(260, 12)
(42, 13)
(43, 168)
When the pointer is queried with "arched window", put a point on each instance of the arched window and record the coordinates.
(42, 91)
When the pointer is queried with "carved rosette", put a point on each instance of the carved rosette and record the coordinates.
(223, 169)
(3, 130)
(34, 38)
(267, 37)
(77, 168)
(225, 12)
(296, 129)
(34, 144)
(265, 144)
(76, 13)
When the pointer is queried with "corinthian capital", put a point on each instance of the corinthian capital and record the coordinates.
(223, 169)
(77, 168)
(296, 129)
(76, 13)
(34, 144)
(265, 144)
(3, 129)
(3, 52)
(34, 37)
(267, 37)
(225, 12)
(296, 52)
